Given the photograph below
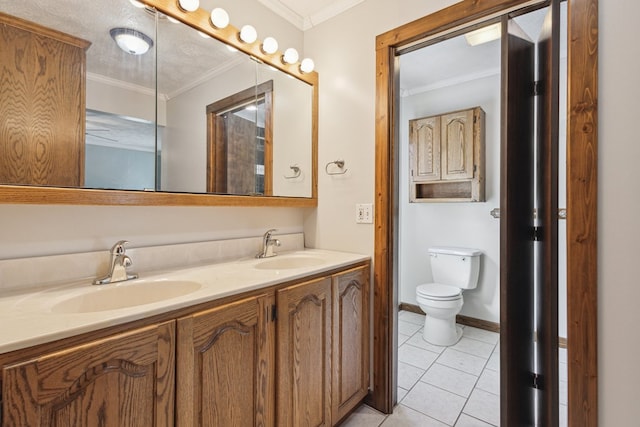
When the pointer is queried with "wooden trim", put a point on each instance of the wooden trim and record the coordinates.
(410, 307)
(460, 319)
(581, 195)
(471, 321)
(582, 210)
(17, 194)
(478, 323)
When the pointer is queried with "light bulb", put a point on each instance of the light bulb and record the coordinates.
(290, 56)
(189, 5)
(219, 18)
(269, 45)
(248, 34)
(307, 65)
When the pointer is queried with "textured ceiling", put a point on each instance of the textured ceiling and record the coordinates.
(183, 55)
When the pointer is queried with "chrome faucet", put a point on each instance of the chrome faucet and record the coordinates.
(118, 266)
(267, 245)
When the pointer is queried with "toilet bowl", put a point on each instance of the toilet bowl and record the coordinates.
(441, 303)
(453, 270)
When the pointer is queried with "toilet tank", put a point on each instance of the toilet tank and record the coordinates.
(458, 267)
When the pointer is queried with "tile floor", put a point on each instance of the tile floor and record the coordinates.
(446, 386)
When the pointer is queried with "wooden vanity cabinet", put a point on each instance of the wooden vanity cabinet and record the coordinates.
(295, 355)
(224, 365)
(124, 380)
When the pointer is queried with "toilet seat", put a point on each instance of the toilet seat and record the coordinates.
(439, 292)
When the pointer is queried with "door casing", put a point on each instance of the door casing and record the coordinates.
(582, 131)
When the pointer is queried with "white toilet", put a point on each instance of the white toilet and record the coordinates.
(454, 270)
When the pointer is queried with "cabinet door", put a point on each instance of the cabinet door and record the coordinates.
(350, 377)
(225, 365)
(124, 380)
(457, 145)
(424, 149)
(304, 354)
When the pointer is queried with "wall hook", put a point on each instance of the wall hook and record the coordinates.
(339, 163)
(296, 172)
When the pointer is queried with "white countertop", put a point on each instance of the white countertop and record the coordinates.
(36, 317)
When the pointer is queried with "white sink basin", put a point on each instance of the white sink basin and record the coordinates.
(289, 262)
(125, 294)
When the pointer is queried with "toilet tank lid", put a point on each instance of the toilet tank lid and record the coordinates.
(450, 250)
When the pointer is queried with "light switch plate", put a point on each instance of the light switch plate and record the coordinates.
(364, 213)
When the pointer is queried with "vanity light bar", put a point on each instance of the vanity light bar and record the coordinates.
(219, 19)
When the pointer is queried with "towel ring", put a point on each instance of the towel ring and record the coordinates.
(339, 164)
(296, 172)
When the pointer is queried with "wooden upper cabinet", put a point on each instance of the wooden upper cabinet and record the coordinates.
(124, 380)
(350, 341)
(304, 354)
(42, 105)
(446, 157)
(225, 365)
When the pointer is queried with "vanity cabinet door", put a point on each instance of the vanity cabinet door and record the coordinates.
(225, 365)
(123, 380)
(304, 354)
(350, 376)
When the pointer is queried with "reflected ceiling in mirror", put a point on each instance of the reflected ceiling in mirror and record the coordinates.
(121, 86)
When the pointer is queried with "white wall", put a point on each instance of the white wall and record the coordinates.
(453, 224)
(618, 215)
(343, 49)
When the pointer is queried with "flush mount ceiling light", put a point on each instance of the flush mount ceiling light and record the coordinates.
(248, 34)
(483, 35)
(219, 18)
(131, 41)
(189, 5)
(290, 56)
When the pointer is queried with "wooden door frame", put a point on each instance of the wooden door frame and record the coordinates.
(582, 132)
(214, 163)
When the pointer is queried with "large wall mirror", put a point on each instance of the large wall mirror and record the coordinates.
(109, 124)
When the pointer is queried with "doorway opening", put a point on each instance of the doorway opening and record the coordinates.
(581, 278)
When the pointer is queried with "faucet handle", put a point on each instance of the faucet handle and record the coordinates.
(118, 248)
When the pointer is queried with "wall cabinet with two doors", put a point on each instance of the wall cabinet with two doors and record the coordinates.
(294, 355)
(446, 157)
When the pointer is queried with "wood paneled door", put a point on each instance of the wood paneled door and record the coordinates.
(124, 380)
